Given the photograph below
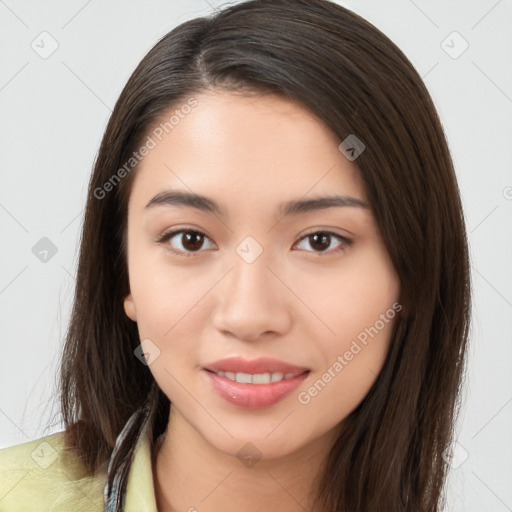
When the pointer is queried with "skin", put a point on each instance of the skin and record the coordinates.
(295, 302)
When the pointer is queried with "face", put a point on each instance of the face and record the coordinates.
(240, 275)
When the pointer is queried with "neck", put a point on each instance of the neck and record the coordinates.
(190, 475)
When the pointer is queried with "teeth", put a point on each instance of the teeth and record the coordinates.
(258, 378)
(276, 376)
(244, 378)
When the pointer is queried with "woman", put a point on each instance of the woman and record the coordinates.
(273, 293)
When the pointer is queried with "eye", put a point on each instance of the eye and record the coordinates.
(321, 240)
(190, 243)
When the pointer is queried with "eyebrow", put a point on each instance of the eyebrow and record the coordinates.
(294, 207)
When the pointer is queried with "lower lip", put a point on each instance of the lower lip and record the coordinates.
(254, 396)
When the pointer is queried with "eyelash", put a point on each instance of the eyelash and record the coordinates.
(346, 242)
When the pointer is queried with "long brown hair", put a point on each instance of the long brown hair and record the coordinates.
(389, 454)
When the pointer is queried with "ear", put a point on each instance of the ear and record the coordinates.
(129, 308)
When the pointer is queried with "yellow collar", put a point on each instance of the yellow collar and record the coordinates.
(140, 490)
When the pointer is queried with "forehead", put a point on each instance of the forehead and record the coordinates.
(258, 147)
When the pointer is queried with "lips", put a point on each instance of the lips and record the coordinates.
(234, 379)
(254, 366)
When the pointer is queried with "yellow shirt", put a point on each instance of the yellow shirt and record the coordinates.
(40, 476)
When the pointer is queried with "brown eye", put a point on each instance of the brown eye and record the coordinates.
(320, 241)
(192, 241)
(184, 242)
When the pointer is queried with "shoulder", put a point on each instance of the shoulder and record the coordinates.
(44, 475)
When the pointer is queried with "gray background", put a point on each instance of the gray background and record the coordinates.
(53, 112)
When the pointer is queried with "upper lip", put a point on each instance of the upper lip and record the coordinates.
(254, 366)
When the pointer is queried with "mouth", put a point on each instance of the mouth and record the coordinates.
(257, 378)
(254, 384)
(254, 367)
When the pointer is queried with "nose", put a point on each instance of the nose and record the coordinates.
(252, 301)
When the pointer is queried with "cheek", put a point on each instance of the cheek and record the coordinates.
(353, 297)
(352, 365)
(359, 308)
(166, 295)
(171, 312)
